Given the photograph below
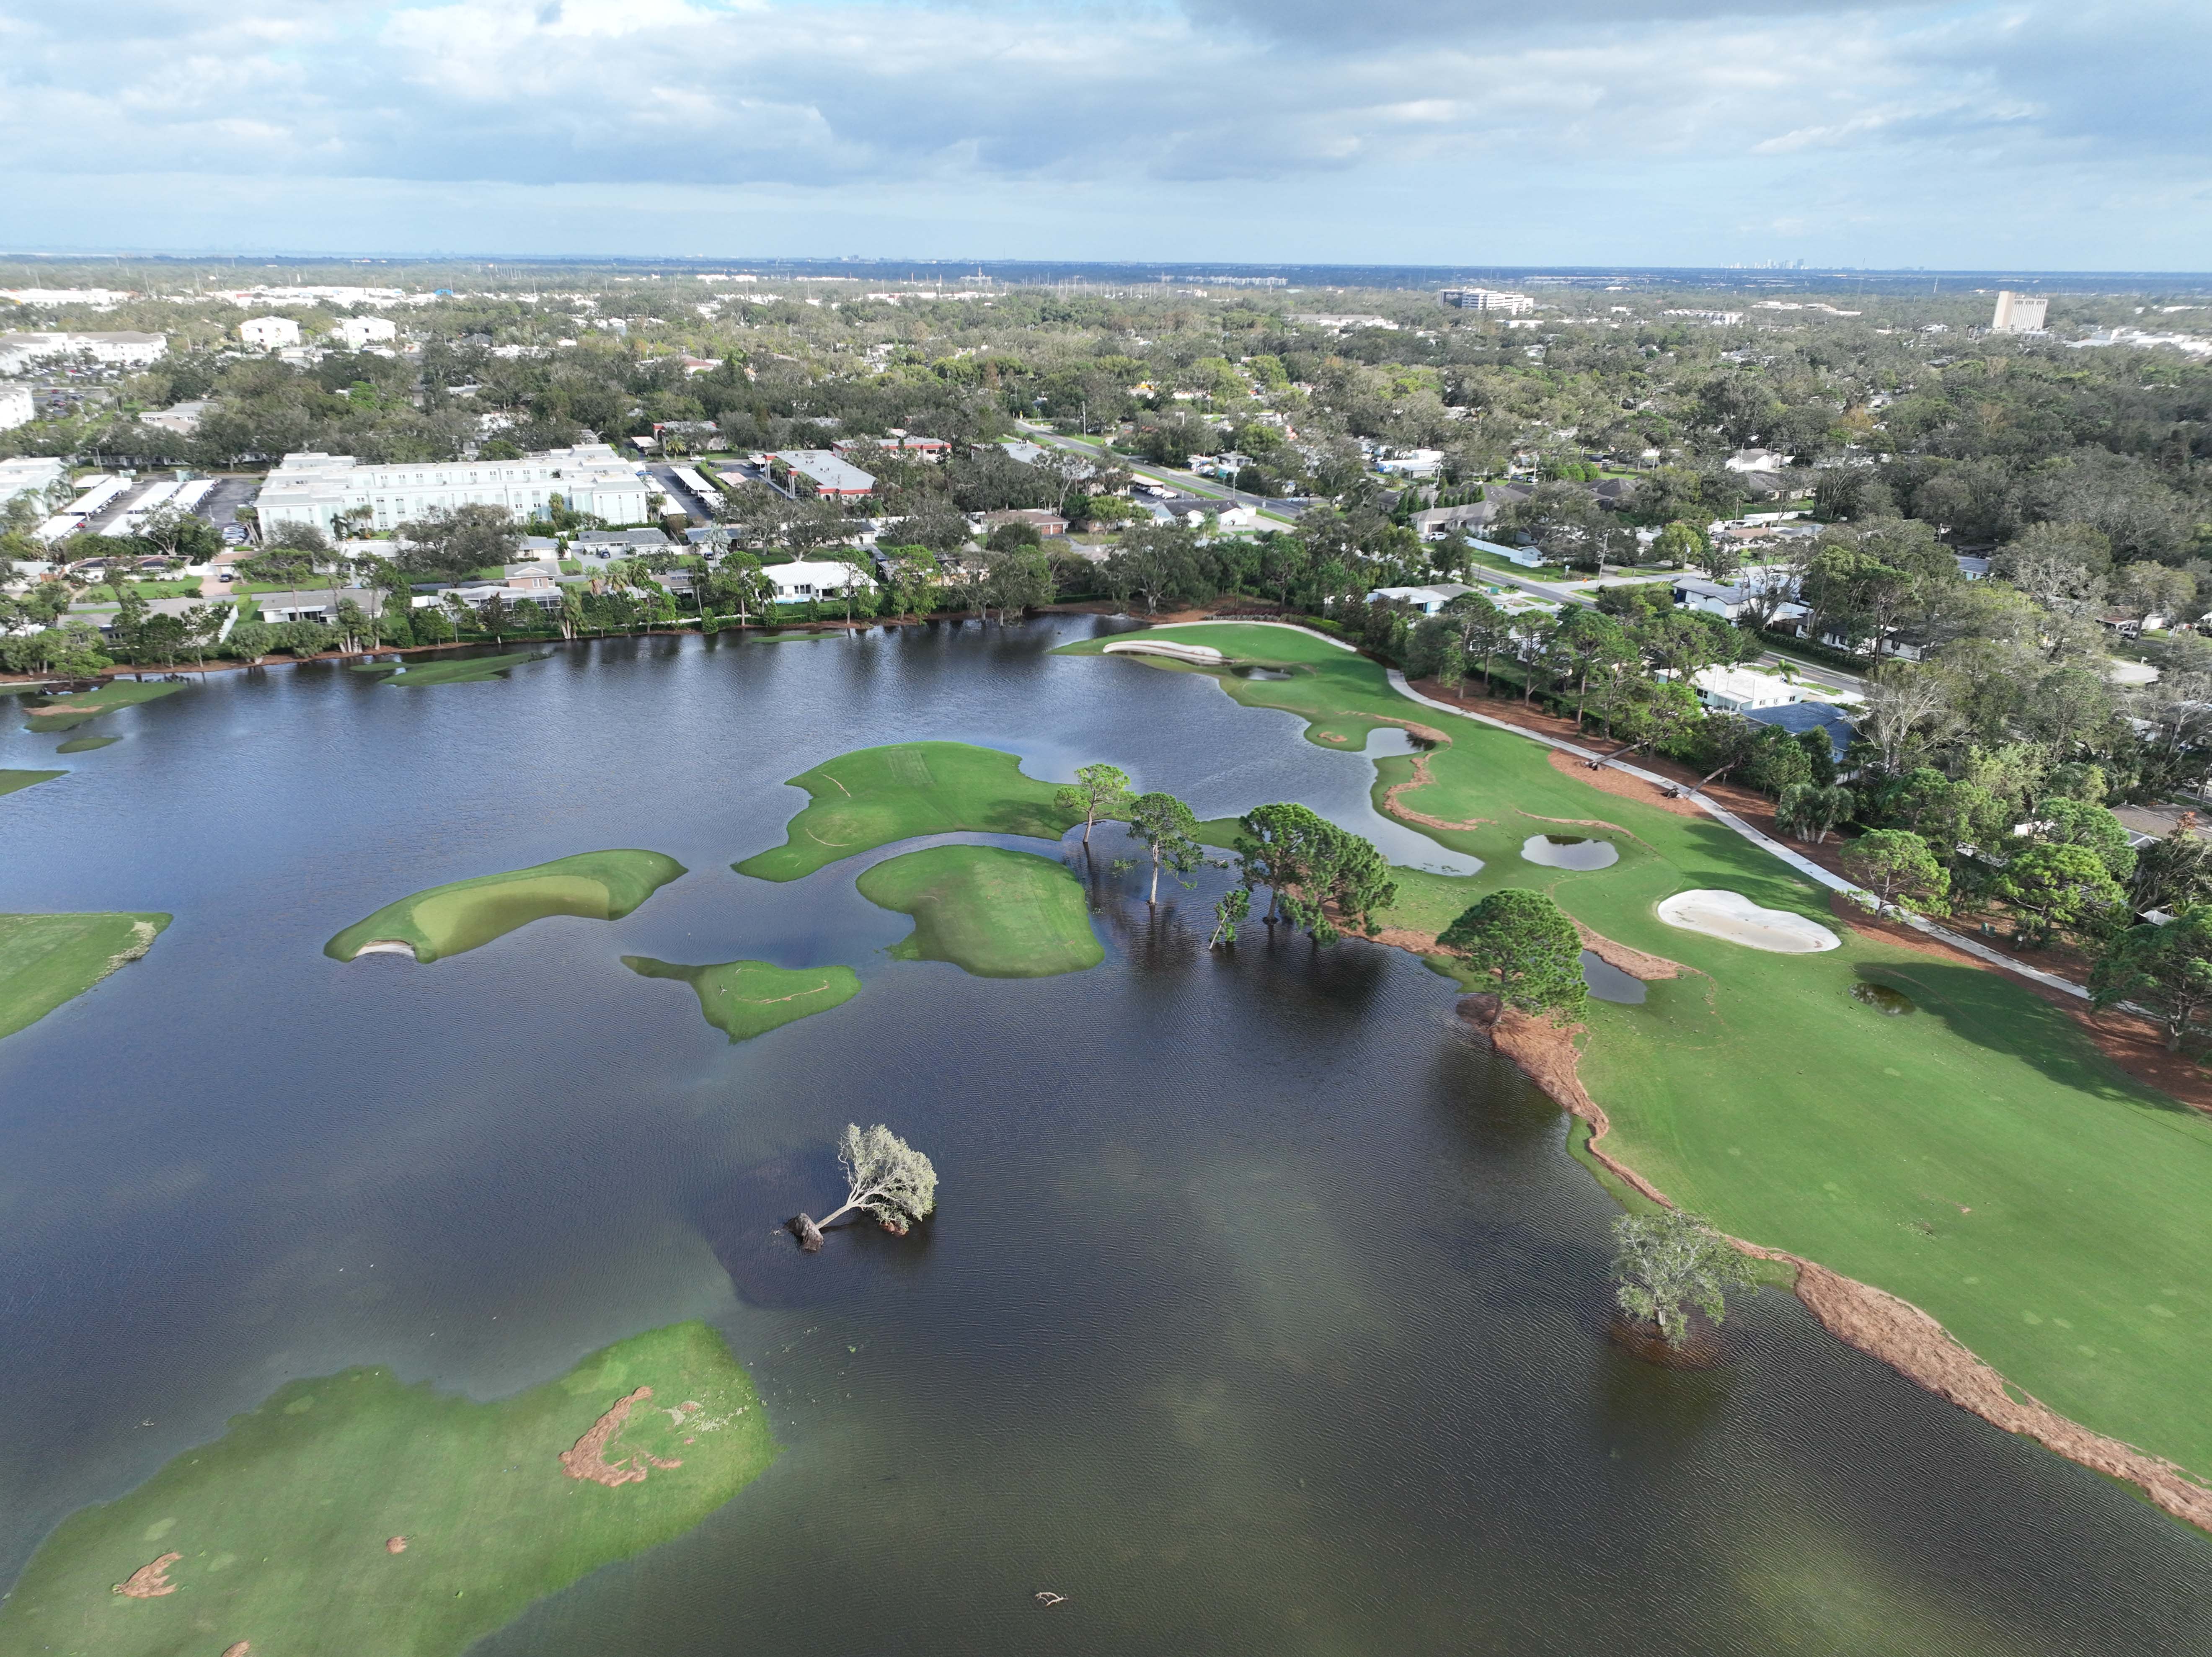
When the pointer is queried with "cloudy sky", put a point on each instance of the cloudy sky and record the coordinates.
(2023, 133)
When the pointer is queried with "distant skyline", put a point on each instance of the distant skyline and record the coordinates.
(1980, 136)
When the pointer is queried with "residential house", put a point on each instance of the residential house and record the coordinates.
(1797, 717)
(1428, 600)
(317, 603)
(359, 332)
(810, 578)
(819, 472)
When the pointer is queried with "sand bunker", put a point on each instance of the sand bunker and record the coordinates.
(1205, 654)
(386, 946)
(1736, 919)
(588, 1459)
(150, 1581)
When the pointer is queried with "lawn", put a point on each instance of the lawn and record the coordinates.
(875, 796)
(46, 960)
(67, 713)
(277, 1534)
(1978, 1157)
(465, 913)
(745, 999)
(451, 669)
(990, 912)
(11, 781)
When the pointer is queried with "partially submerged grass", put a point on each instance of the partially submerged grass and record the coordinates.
(745, 999)
(280, 1526)
(67, 713)
(1984, 1161)
(46, 960)
(464, 914)
(85, 745)
(11, 781)
(454, 670)
(991, 911)
(876, 796)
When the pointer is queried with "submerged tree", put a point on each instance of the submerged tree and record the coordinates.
(1528, 946)
(1316, 873)
(1236, 904)
(1098, 791)
(1668, 1264)
(1168, 829)
(883, 1176)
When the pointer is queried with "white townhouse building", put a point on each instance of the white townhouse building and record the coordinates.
(314, 489)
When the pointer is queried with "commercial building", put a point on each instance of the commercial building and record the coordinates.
(1486, 298)
(315, 488)
(21, 351)
(818, 471)
(357, 331)
(16, 407)
(269, 333)
(2019, 314)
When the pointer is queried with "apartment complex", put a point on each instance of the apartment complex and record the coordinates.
(315, 488)
(20, 351)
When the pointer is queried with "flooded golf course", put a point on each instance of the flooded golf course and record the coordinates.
(1263, 1310)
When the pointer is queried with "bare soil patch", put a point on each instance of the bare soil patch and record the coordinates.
(149, 1582)
(587, 1458)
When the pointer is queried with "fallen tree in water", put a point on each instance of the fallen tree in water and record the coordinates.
(883, 1176)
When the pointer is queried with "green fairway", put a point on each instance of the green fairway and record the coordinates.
(465, 913)
(471, 670)
(85, 745)
(67, 713)
(11, 781)
(745, 999)
(993, 913)
(1979, 1158)
(875, 796)
(276, 1534)
(46, 960)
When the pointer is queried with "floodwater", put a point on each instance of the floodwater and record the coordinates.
(1264, 1312)
(1608, 983)
(1891, 1004)
(1569, 852)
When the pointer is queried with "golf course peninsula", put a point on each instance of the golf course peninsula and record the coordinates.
(467, 914)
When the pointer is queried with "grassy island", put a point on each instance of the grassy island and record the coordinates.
(465, 913)
(745, 999)
(463, 669)
(352, 1514)
(85, 745)
(46, 960)
(990, 912)
(11, 781)
(1982, 1160)
(875, 796)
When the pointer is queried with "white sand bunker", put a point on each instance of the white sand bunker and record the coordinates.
(1205, 654)
(1733, 916)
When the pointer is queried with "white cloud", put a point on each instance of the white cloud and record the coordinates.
(1871, 128)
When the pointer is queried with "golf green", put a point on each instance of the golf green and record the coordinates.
(46, 960)
(351, 1514)
(11, 781)
(876, 796)
(465, 913)
(1982, 1160)
(745, 999)
(991, 911)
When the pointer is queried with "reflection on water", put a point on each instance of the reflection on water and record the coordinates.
(1569, 852)
(1259, 1309)
(1892, 1004)
(1608, 983)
